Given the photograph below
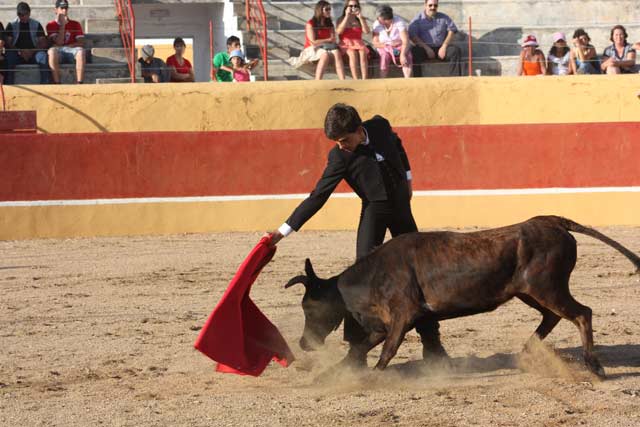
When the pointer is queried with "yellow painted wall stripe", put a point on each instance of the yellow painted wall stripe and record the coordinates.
(22, 222)
(303, 104)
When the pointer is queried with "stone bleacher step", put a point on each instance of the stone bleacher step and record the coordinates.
(30, 75)
(109, 55)
(45, 12)
(103, 40)
(102, 26)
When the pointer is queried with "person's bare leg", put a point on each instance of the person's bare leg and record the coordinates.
(613, 70)
(322, 64)
(364, 64)
(54, 65)
(353, 64)
(337, 56)
(407, 71)
(80, 65)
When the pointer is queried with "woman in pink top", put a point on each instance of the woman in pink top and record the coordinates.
(351, 26)
(391, 38)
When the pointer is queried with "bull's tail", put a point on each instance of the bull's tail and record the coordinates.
(569, 225)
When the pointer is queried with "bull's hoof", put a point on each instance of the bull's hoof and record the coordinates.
(594, 366)
(437, 355)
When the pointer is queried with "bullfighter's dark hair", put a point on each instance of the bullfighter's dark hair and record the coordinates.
(233, 39)
(341, 119)
(624, 32)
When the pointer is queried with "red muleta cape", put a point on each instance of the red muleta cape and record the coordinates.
(237, 335)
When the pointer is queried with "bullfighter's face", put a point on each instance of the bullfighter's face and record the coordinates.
(350, 141)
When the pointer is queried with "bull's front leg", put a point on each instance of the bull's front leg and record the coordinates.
(395, 335)
(357, 355)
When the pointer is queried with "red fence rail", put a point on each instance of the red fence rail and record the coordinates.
(257, 23)
(127, 23)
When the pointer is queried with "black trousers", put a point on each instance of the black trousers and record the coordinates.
(375, 218)
(453, 55)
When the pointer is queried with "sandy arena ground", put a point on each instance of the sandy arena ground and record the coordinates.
(100, 332)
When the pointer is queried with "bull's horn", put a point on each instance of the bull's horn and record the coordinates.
(298, 279)
(308, 268)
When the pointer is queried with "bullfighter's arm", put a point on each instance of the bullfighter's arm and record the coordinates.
(333, 173)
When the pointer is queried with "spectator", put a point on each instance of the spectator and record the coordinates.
(559, 59)
(532, 62)
(620, 57)
(179, 66)
(320, 42)
(67, 38)
(583, 55)
(25, 44)
(222, 61)
(431, 33)
(240, 69)
(351, 26)
(153, 69)
(391, 38)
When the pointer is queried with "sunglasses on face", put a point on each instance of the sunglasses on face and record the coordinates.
(327, 9)
(432, 6)
(353, 6)
(22, 15)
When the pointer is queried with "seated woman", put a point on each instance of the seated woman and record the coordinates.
(532, 61)
(583, 55)
(320, 42)
(181, 69)
(351, 26)
(620, 57)
(391, 38)
(559, 58)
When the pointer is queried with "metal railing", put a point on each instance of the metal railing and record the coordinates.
(257, 22)
(127, 23)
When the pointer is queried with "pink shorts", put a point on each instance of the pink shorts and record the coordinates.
(352, 44)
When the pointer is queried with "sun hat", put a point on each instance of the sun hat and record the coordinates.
(236, 52)
(147, 51)
(530, 40)
(559, 36)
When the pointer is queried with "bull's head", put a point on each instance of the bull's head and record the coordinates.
(323, 307)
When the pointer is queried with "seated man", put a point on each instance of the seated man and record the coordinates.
(25, 44)
(431, 33)
(153, 69)
(67, 38)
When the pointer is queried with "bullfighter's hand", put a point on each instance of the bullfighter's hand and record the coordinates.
(275, 236)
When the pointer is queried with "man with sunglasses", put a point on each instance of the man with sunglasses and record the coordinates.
(67, 40)
(25, 44)
(431, 33)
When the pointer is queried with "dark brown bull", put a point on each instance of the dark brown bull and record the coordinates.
(417, 279)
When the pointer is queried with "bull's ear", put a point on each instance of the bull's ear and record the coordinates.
(308, 268)
(298, 279)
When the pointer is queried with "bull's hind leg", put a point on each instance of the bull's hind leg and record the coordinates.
(429, 330)
(564, 305)
(549, 320)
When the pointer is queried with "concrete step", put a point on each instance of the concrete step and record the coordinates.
(118, 80)
(495, 13)
(102, 26)
(109, 55)
(45, 12)
(486, 41)
(103, 40)
(29, 74)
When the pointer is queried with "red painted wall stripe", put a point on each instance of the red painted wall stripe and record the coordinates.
(165, 164)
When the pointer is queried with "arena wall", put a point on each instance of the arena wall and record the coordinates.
(146, 159)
